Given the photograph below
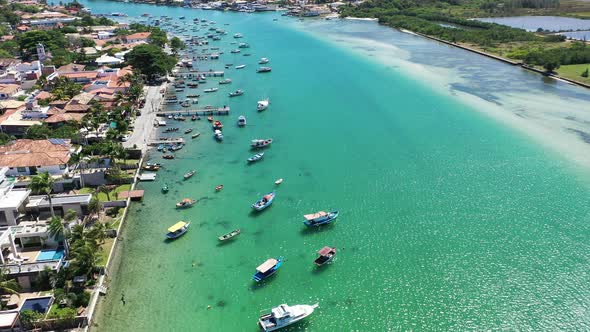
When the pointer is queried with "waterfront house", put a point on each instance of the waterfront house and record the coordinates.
(30, 157)
(138, 37)
(7, 91)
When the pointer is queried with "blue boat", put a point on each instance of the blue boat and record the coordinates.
(161, 147)
(320, 218)
(267, 268)
(264, 202)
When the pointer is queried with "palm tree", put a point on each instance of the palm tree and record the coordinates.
(8, 286)
(57, 229)
(93, 206)
(43, 184)
(103, 189)
(70, 215)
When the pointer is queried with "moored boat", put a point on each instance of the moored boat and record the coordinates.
(240, 66)
(218, 135)
(217, 125)
(236, 93)
(262, 105)
(185, 203)
(178, 229)
(219, 187)
(196, 135)
(268, 268)
(189, 174)
(279, 181)
(264, 70)
(256, 157)
(241, 121)
(188, 131)
(263, 61)
(209, 90)
(326, 255)
(264, 202)
(238, 35)
(260, 143)
(165, 188)
(230, 235)
(225, 81)
(168, 156)
(320, 218)
(285, 315)
(235, 51)
(210, 118)
(194, 118)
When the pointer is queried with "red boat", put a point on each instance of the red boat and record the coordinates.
(194, 118)
(217, 125)
(219, 187)
(210, 118)
(326, 255)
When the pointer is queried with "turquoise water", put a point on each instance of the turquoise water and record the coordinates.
(448, 219)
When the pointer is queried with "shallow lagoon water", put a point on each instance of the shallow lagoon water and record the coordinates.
(532, 23)
(450, 219)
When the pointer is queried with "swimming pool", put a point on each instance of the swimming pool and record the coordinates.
(39, 304)
(50, 255)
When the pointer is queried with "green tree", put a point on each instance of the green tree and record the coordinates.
(70, 215)
(94, 205)
(5, 138)
(8, 286)
(150, 60)
(43, 184)
(176, 44)
(29, 317)
(53, 40)
(585, 73)
(105, 190)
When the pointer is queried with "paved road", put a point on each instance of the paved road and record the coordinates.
(144, 124)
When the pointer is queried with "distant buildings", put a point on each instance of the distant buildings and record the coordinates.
(29, 157)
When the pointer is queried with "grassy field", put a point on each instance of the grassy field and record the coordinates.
(112, 194)
(105, 251)
(573, 72)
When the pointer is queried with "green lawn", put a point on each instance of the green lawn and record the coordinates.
(112, 194)
(105, 250)
(127, 161)
(573, 72)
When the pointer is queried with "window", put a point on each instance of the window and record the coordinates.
(21, 169)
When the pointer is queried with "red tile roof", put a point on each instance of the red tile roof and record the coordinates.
(28, 152)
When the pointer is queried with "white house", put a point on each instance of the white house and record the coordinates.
(108, 60)
(30, 157)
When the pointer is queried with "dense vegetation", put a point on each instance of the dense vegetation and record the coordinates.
(151, 60)
(449, 20)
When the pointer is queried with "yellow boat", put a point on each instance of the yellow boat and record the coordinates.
(178, 229)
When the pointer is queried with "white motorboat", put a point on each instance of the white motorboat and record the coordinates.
(241, 121)
(263, 61)
(260, 143)
(210, 90)
(285, 315)
(238, 35)
(262, 105)
(240, 66)
(218, 135)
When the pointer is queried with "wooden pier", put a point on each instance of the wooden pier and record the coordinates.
(200, 112)
(166, 141)
(210, 73)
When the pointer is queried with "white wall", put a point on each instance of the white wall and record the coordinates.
(53, 170)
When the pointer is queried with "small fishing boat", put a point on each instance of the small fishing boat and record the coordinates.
(188, 131)
(243, 45)
(262, 105)
(219, 187)
(165, 188)
(279, 181)
(267, 269)
(256, 157)
(264, 202)
(217, 125)
(240, 66)
(247, 54)
(285, 315)
(189, 174)
(218, 135)
(260, 143)
(177, 230)
(241, 121)
(210, 118)
(230, 235)
(150, 167)
(236, 93)
(185, 203)
(263, 61)
(264, 70)
(168, 156)
(194, 118)
(225, 81)
(235, 51)
(238, 35)
(161, 147)
(320, 218)
(326, 255)
(196, 135)
(209, 90)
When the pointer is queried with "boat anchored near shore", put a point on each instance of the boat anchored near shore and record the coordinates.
(285, 315)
